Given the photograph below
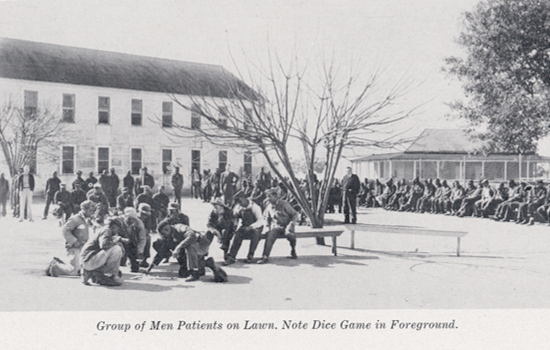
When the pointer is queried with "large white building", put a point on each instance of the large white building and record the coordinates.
(117, 108)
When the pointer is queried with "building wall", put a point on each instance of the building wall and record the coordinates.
(86, 135)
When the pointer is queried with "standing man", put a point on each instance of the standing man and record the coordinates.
(4, 192)
(113, 188)
(52, 187)
(144, 179)
(76, 234)
(79, 181)
(177, 183)
(350, 189)
(280, 219)
(90, 182)
(129, 182)
(228, 183)
(77, 197)
(196, 184)
(26, 189)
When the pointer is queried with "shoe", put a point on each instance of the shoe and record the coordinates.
(44, 218)
(248, 260)
(353, 222)
(228, 261)
(54, 269)
(263, 260)
(107, 281)
(144, 264)
(86, 275)
(194, 277)
(48, 273)
(293, 254)
(531, 221)
(220, 276)
(134, 269)
(184, 273)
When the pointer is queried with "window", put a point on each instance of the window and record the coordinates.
(429, 170)
(494, 171)
(449, 170)
(137, 111)
(222, 119)
(31, 103)
(196, 161)
(167, 114)
(67, 162)
(195, 119)
(136, 160)
(104, 107)
(473, 170)
(102, 159)
(222, 160)
(166, 160)
(247, 125)
(68, 108)
(248, 162)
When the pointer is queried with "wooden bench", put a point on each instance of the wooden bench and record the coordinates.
(408, 230)
(308, 232)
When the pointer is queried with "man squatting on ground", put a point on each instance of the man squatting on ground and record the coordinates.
(252, 223)
(280, 219)
(178, 238)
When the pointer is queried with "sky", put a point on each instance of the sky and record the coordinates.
(407, 39)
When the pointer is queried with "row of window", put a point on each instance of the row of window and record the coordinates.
(136, 160)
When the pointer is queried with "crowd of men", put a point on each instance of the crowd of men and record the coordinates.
(103, 234)
(522, 203)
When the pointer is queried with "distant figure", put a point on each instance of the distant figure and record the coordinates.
(4, 192)
(90, 182)
(350, 188)
(144, 179)
(129, 182)
(26, 189)
(177, 183)
(79, 181)
(52, 186)
(228, 184)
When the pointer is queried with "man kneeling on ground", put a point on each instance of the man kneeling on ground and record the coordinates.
(280, 219)
(101, 256)
(196, 246)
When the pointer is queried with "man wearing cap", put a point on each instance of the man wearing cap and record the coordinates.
(177, 184)
(144, 179)
(77, 197)
(124, 200)
(175, 216)
(97, 196)
(350, 188)
(280, 219)
(134, 230)
(146, 197)
(220, 223)
(64, 202)
(90, 182)
(26, 189)
(76, 234)
(79, 181)
(101, 256)
(228, 183)
(52, 186)
(252, 223)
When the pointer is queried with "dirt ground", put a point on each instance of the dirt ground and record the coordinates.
(503, 265)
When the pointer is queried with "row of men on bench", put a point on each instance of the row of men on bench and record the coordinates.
(123, 238)
(523, 203)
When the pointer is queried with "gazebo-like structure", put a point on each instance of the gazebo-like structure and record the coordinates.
(449, 154)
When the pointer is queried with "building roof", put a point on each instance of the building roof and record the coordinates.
(443, 141)
(27, 60)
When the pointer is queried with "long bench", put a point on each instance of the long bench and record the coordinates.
(403, 230)
(327, 231)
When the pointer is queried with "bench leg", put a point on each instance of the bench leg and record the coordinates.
(334, 246)
(458, 246)
(352, 243)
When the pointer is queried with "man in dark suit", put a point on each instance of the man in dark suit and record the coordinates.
(350, 188)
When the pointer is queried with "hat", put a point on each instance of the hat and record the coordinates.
(62, 184)
(271, 191)
(124, 190)
(218, 201)
(97, 185)
(540, 182)
(144, 208)
(131, 212)
(87, 204)
(79, 172)
(174, 206)
(239, 194)
(484, 182)
(146, 187)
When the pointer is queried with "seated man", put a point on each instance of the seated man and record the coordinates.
(97, 196)
(280, 219)
(220, 223)
(101, 256)
(252, 222)
(63, 200)
(177, 238)
(76, 234)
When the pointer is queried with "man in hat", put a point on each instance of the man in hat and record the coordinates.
(228, 183)
(175, 216)
(134, 230)
(177, 183)
(97, 196)
(146, 197)
(52, 186)
(79, 181)
(179, 238)
(64, 202)
(160, 205)
(144, 179)
(76, 234)
(280, 219)
(124, 200)
(101, 256)
(220, 223)
(350, 188)
(252, 223)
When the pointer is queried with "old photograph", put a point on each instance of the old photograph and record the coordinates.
(373, 171)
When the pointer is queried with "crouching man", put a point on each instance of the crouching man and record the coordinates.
(195, 245)
(280, 219)
(101, 256)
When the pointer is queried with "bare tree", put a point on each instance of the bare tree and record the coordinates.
(288, 108)
(26, 132)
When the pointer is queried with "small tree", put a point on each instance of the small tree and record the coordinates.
(26, 133)
(287, 108)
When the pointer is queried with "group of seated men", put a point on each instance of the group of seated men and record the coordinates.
(523, 203)
(122, 237)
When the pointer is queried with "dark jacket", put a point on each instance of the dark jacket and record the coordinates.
(350, 185)
(20, 182)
